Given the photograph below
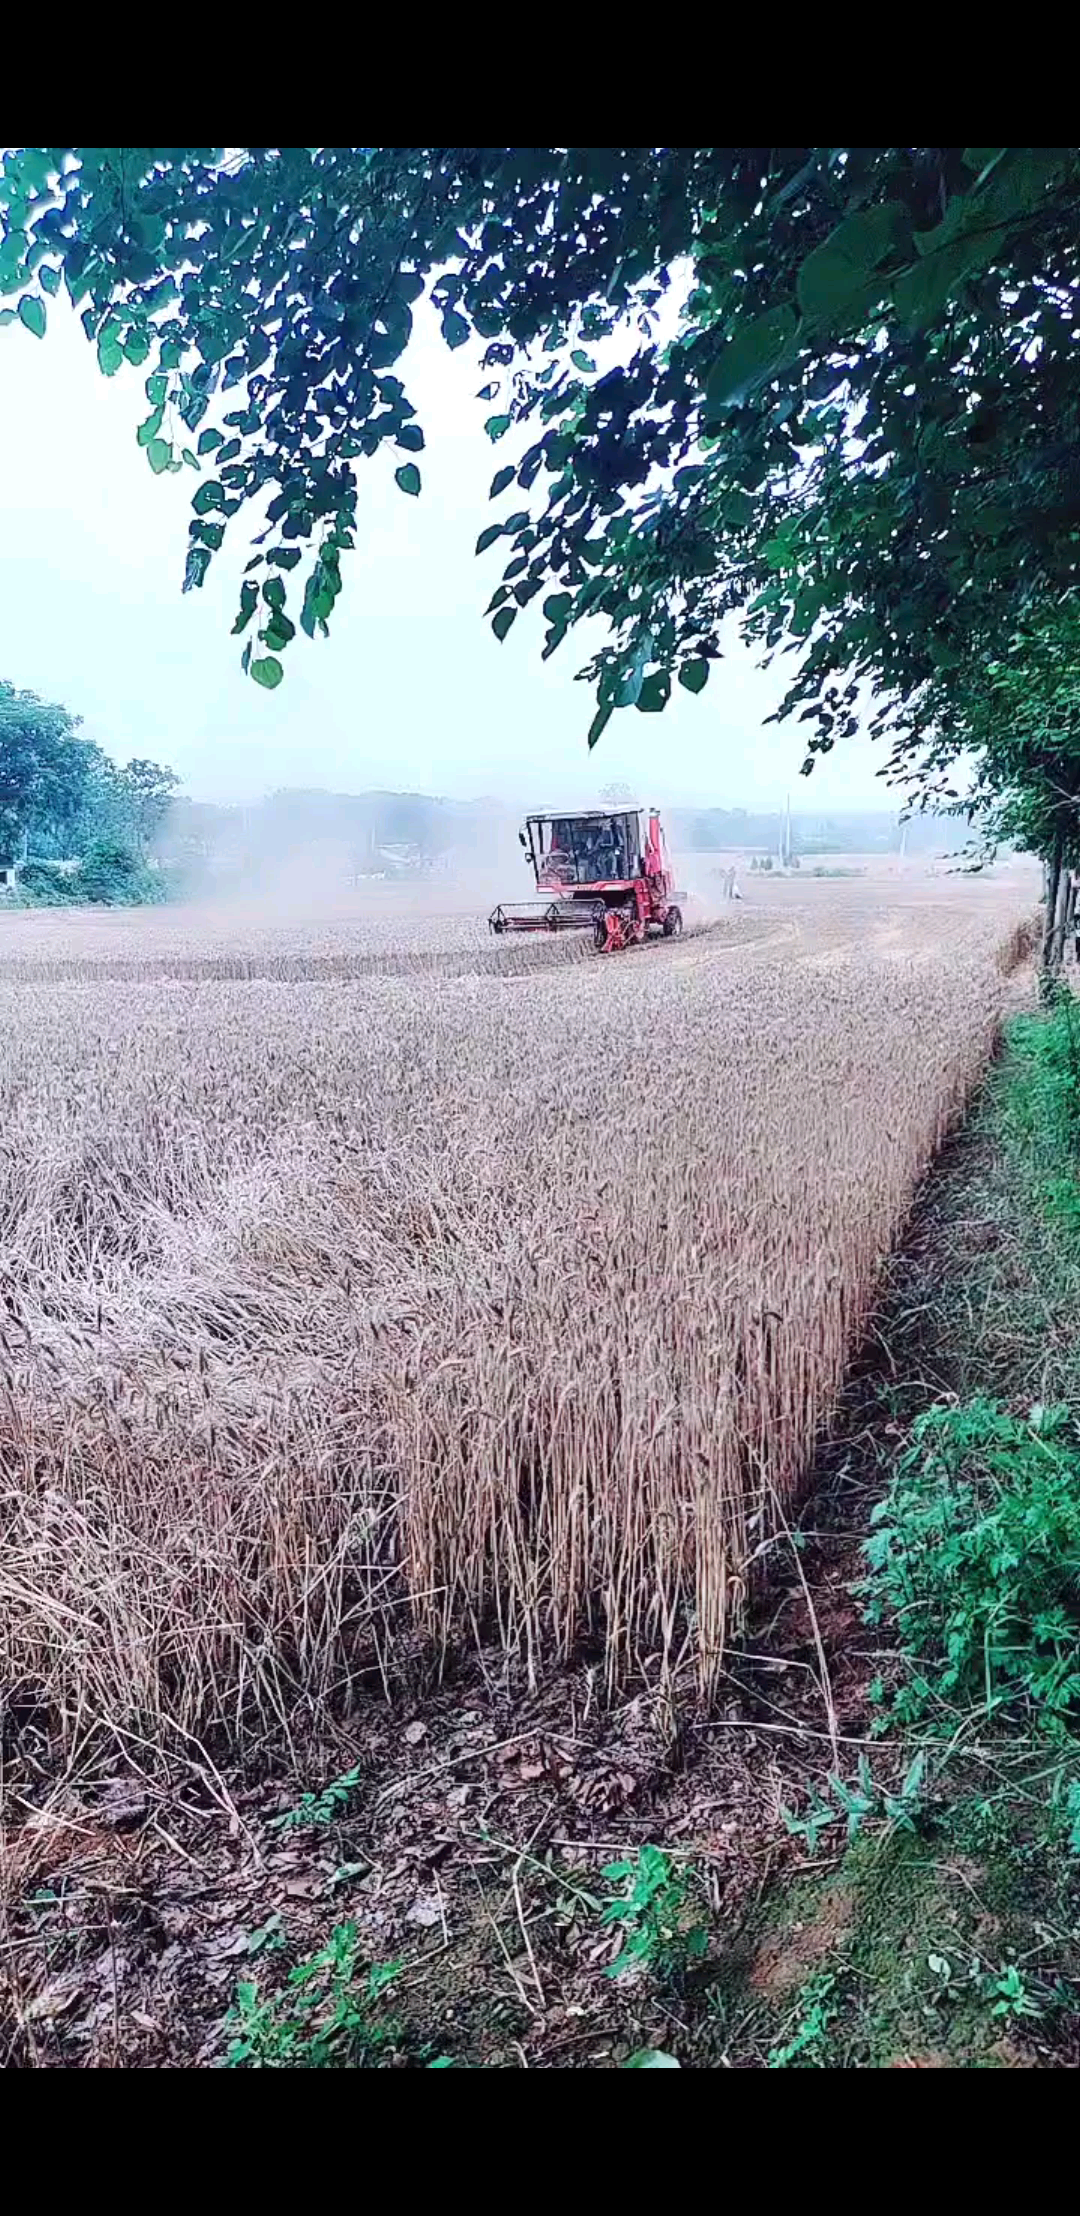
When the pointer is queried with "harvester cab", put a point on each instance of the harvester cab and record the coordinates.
(606, 872)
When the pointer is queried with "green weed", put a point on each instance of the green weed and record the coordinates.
(858, 1804)
(1010, 1996)
(975, 1561)
(814, 2014)
(315, 1809)
(654, 1917)
(1042, 1104)
(328, 2015)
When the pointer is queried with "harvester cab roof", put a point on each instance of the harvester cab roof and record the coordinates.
(603, 870)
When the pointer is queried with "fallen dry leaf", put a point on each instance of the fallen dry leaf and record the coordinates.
(426, 1910)
(54, 1999)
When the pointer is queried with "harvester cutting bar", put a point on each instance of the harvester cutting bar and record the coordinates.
(545, 915)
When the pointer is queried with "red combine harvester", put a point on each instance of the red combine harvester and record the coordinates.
(606, 872)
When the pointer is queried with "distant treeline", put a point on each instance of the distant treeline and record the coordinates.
(374, 834)
(873, 831)
(388, 834)
(74, 824)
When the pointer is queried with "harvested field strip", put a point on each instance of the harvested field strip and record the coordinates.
(347, 1322)
(471, 953)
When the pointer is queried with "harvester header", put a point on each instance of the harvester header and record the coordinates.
(605, 871)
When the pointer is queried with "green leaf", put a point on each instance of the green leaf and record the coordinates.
(455, 330)
(600, 722)
(198, 562)
(7, 315)
(149, 430)
(408, 478)
(500, 481)
(694, 675)
(838, 282)
(208, 440)
(655, 693)
(750, 358)
(487, 538)
(557, 606)
(737, 509)
(496, 425)
(584, 362)
(50, 278)
(249, 600)
(32, 313)
(159, 455)
(110, 354)
(501, 623)
(651, 2058)
(411, 438)
(992, 520)
(267, 671)
(921, 291)
(982, 159)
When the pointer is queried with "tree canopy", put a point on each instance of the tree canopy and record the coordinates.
(45, 768)
(863, 432)
(60, 793)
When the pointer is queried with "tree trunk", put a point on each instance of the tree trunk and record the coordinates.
(1054, 874)
(1061, 923)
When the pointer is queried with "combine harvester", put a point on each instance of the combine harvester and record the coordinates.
(598, 872)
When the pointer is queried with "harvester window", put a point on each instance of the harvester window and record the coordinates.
(585, 850)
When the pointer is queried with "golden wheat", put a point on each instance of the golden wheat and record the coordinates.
(496, 1293)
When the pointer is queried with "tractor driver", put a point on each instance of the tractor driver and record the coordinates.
(559, 862)
(606, 852)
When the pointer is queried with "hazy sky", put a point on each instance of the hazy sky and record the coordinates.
(411, 690)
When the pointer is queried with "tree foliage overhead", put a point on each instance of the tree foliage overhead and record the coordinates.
(863, 434)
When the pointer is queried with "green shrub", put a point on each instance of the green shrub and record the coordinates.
(110, 875)
(45, 884)
(975, 1561)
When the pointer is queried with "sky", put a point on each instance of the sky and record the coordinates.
(411, 691)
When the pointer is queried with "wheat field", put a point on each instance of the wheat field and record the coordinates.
(372, 1287)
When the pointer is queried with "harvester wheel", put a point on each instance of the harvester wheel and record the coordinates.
(600, 931)
(673, 924)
